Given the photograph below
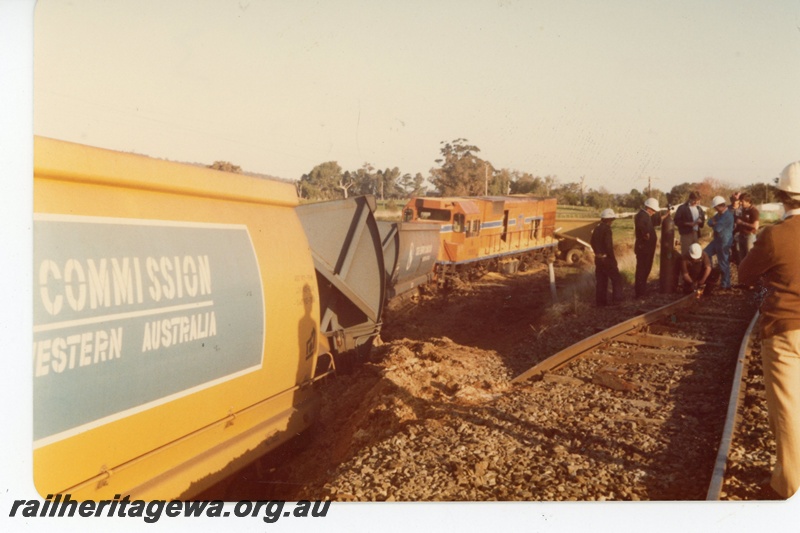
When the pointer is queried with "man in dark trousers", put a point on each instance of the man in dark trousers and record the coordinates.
(746, 225)
(645, 244)
(696, 271)
(689, 219)
(776, 257)
(735, 207)
(605, 263)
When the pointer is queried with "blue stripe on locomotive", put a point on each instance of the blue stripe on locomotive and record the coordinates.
(492, 256)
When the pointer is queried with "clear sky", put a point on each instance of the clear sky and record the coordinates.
(615, 91)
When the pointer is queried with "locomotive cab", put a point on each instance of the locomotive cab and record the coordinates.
(459, 220)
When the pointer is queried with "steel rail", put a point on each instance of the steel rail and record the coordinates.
(734, 404)
(583, 346)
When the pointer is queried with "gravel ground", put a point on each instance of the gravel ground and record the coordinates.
(432, 416)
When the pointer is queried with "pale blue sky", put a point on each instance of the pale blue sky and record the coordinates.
(615, 91)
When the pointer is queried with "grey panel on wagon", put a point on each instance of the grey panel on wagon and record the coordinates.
(410, 250)
(346, 246)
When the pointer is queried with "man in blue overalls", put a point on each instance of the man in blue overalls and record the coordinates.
(722, 224)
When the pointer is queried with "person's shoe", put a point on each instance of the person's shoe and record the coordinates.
(766, 492)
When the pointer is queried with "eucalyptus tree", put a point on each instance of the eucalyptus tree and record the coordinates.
(412, 186)
(461, 172)
(324, 182)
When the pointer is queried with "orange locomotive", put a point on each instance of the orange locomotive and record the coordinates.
(507, 232)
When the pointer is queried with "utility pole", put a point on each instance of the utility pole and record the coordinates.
(649, 186)
(485, 179)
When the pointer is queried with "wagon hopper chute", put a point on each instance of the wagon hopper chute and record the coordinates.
(347, 251)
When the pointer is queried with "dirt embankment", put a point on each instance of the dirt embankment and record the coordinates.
(443, 360)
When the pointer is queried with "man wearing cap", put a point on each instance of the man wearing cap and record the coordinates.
(689, 219)
(605, 262)
(722, 223)
(776, 257)
(696, 271)
(645, 244)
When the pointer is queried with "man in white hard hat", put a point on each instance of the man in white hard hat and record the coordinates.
(645, 244)
(605, 262)
(696, 271)
(722, 223)
(776, 257)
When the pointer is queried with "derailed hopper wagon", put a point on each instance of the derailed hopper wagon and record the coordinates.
(348, 258)
(410, 251)
(179, 318)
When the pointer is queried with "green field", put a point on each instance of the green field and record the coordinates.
(576, 211)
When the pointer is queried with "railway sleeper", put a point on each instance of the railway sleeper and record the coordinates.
(684, 352)
(643, 359)
(692, 317)
(611, 377)
(663, 329)
(657, 341)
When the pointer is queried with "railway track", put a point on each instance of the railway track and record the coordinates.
(656, 338)
(751, 448)
(634, 412)
(733, 418)
(631, 332)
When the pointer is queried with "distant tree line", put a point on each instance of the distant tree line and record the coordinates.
(328, 181)
(461, 172)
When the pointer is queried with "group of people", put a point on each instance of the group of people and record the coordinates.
(771, 256)
(605, 261)
(734, 226)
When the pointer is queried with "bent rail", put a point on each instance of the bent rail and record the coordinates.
(580, 347)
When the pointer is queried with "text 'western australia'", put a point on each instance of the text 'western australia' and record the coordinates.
(87, 306)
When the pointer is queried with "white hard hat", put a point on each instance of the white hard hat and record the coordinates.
(718, 200)
(608, 213)
(695, 251)
(652, 203)
(789, 179)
